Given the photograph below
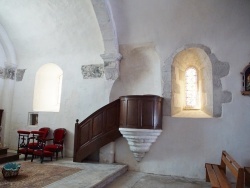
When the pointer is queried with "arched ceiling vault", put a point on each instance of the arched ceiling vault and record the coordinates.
(46, 28)
(53, 29)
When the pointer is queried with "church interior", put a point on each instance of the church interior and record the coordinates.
(63, 60)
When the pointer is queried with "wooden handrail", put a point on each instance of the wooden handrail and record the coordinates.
(97, 130)
(1, 113)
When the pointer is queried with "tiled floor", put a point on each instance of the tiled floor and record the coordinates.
(92, 175)
(143, 180)
(100, 175)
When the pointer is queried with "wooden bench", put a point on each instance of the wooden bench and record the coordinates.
(216, 174)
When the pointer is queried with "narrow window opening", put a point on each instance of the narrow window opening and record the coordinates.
(192, 84)
(191, 88)
(48, 86)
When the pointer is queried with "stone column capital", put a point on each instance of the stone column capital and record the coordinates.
(111, 57)
(111, 65)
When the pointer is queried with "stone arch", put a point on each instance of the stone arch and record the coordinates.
(3, 59)
(218, 70)
(8, 48)
(111, 56)
(7, 75)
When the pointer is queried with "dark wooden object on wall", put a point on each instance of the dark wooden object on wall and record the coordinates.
(99, 129)
(141, 112)
(247, 176)
(1, 113)
(246, 80)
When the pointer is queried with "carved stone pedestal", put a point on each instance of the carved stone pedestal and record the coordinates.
(140, 140)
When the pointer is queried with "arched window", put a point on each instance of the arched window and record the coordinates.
(209, 96)
(48, 86)
(191, 88)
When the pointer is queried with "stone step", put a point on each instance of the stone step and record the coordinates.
(3, 150)
(92, 175)
(8, 157)
(105, 181)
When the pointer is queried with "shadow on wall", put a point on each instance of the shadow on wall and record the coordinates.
(140, 72)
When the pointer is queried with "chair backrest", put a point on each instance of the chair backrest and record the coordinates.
(59, 135)
(23, 139)
(46, 132)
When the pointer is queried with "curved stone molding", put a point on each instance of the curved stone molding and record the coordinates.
(140, 140)
(92, 71)
(105, 19)
(20, 74)
(111, 56)
(10, 73)
(2, 72)
(8, 48)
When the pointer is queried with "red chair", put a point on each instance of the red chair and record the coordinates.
(39, 151)
(58, 140)
(38, 135)
(23, 142)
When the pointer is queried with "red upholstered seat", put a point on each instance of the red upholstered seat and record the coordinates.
(54, 147)
(23, 132)
(38, 135)
(42, 153)
(25, 151)
(58, 140)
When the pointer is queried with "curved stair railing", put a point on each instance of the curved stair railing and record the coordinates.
(97, 130)
(137, 117)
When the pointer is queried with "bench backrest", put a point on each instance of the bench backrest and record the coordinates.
(234, 167)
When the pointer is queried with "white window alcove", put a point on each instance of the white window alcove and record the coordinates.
(48, 86)
(210, 70)
(192, 89)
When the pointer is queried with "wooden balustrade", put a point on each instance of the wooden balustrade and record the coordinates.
(97, 130)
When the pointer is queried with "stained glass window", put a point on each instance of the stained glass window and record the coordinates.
(191, 87)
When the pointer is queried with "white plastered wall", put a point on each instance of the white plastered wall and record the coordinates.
(185, 143)
(139, 72)
(72, 38)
